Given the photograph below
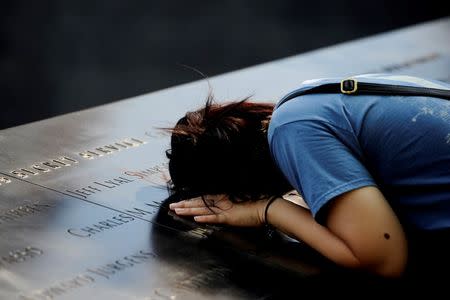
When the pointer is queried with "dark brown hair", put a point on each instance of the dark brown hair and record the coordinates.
(223, 149)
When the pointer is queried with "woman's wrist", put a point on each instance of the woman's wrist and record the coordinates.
(263, 208)
(266, 209)
(260, 208)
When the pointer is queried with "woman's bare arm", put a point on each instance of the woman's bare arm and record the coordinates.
(361, 229)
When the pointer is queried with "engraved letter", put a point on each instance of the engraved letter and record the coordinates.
(75, 232)
(19, 174)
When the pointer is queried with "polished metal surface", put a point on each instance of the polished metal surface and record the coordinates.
(83, 202)
(57, 246)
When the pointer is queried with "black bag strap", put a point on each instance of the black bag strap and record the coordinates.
(353, 87)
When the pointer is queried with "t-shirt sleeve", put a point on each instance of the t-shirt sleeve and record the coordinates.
(320, 160)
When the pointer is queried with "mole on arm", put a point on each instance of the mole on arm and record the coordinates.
(386, 235)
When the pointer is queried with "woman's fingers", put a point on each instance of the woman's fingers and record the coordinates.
(210, 219)
(187, 203)
(195, 211)
(202, 209)
(176, 205)
(194, 202)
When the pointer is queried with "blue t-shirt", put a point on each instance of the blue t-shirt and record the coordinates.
(329, 144)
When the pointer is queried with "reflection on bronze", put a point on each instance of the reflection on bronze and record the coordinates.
(200, 232)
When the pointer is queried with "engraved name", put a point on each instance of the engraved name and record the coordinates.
(44, 167)
(111, 148)
(123, 263)
(90, 276)
(101, 226)
(156, 175)
(66, 161)
(152, 208)
(59, 288)
(10, 215)
(129, 215)
(20, 255)
(99, 186)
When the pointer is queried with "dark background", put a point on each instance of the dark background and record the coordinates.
(62, 56)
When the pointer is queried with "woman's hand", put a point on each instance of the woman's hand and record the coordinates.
(218, 209)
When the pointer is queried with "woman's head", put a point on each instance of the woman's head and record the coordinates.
(223, 148)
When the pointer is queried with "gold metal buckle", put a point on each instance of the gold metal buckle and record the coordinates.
(353, 84)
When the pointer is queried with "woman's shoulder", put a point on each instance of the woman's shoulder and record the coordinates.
(299, 104)
(332, 107)
(314, 108)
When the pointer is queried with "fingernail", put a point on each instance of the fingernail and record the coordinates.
(174, 205)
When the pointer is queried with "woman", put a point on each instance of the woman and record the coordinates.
(374, 170)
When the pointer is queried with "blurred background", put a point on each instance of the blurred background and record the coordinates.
(59, 56)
